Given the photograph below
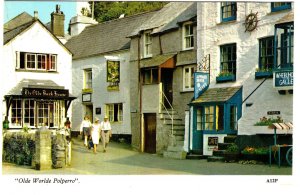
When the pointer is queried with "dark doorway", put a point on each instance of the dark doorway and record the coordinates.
(167, 86)
(150, 133)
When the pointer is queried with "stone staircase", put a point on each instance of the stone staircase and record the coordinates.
(176, 141)
(218, 155)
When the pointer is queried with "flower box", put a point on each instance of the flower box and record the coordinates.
(263, 74)
(226, 78)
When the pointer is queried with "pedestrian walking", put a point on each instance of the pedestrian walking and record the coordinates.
(95, 134)
(85, 128)
(105, 132)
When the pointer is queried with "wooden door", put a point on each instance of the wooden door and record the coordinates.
(150, 133)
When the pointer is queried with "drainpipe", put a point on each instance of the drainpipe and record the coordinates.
(140, 95)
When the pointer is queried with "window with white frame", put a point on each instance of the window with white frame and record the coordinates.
(88, 79)
(188, 78)
(36, 61)
(114, 112)
(188, 36)
(33, 113)
(147, 44)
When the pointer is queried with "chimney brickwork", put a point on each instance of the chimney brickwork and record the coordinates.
(57, 22)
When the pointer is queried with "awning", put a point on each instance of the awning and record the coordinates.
(163, 61)
(217, 95)
(282, 126)
(287, 18)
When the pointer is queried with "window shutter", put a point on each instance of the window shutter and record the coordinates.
(17, 60)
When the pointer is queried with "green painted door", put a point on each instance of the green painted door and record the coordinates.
(197, 138)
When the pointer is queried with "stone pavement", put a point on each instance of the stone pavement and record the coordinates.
(120, 159)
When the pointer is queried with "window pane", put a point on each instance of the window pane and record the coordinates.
(199, 119)
(155, 75)
(220, 117)
(30, 61)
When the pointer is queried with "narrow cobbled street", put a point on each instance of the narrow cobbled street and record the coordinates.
(120, 159)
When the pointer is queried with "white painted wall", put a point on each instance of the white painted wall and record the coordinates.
(101, 95)
(212, 33)
(36, 40)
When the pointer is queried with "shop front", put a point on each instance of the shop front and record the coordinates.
(36, 103)
(214, 115)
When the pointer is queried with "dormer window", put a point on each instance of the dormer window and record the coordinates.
(188, 36)
(147, 44)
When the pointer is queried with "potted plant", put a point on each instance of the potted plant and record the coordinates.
(258, 154)
(225, 76)
(264, 121)
(231, 153)
(263, 73)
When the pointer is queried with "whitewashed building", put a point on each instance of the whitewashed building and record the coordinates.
(245, 60)
(100, 70)
(36, 75)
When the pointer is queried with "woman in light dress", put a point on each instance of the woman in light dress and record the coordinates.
(95, 134)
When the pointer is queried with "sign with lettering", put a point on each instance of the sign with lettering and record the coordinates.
(86, 97)
(45, 93)
(201, 83)
(212, 141)
(273, 113)
(284, 78)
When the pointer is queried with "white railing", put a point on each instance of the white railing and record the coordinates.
(164, 97)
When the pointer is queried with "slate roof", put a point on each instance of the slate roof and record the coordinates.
(19, 20)
(8, 35)
(17, 90)
(106, 37)
(216, 95)
(155, 61)
(168, 17)
(287, 18)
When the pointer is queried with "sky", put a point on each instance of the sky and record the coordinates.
(44, 8)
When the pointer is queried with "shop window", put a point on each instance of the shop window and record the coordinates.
(210, 118)
(150, 76)
(233, 117)
(266, 53)
(188, 78)
(88, 79)
(188, 36)
(147, 44)
(34, 61)
(16, 113)
(228, 59)
(228, 11)
(29, 113)
(114, 112)
(278, 6)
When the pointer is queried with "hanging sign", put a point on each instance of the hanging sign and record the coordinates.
(283, 78)
(201, 83)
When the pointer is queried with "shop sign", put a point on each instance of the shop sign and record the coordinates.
(283, 78)
(201, 82)
(212, 141)
(87, 97)
(45, 93)
(273, 113)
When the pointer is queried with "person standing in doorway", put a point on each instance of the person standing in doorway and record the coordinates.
(95, 134)
(105, 132)
(86, 129)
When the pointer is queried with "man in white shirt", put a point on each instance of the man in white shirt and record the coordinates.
(105, 132)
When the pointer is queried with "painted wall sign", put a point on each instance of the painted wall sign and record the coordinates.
(45, 93)
(201, 83)
(284, 78)
(87, 97)
(113, 71)
(273, 113)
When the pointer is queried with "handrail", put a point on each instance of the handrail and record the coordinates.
(170, 115)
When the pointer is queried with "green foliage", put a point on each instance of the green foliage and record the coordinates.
(253, 150)
(263, 70)
(18, 148)
(232, 148)
(268, 121)
(224, 74)
(105, 11)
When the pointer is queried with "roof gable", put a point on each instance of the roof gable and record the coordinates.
(17, 21)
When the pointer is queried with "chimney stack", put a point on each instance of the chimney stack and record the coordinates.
(36, 15)
(57, 22)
